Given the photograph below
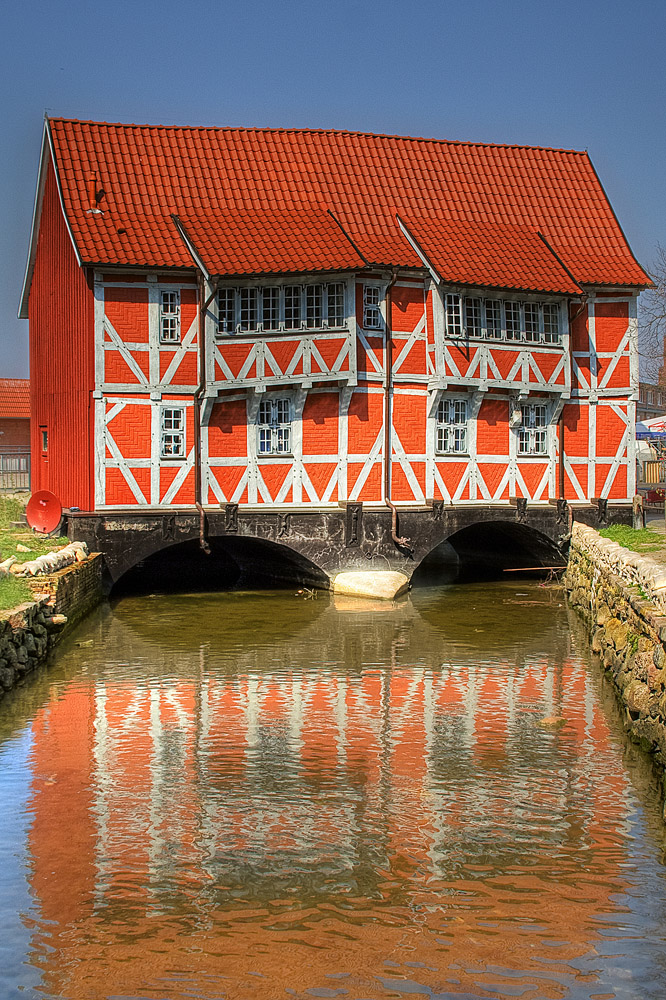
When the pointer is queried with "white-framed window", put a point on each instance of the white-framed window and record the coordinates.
(292, 307)
(512, 325)
(247, 309)
(533, 432)
(453, 315)
(169, 316)
(226, 314)
(372, 309)
(532, 322)
(172, 432)
(287, 307)
(492, 310)
(551, 322)
(451, 427)
(525, 320)
(274, 426)
(473, 317)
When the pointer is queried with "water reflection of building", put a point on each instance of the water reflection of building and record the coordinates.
(297, 819)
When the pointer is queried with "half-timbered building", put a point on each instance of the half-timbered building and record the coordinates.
(275, 320)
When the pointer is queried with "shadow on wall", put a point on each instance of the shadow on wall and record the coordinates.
(233, 563)
(484, 551)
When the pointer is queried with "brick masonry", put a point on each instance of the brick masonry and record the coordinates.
(29, 632)
(627, 626)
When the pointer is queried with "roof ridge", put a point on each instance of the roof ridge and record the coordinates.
(323, 131)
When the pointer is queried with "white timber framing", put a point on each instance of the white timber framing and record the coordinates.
(109, 456)
(268, 371)
(477, 367)
(511, 482)
(153, 348)
(589, 358)
(592, 399)
(120, 395)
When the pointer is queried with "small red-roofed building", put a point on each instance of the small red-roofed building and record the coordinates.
(14, 434)
(288, 324)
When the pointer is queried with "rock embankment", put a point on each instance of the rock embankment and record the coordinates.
(621, 595)
(28, 633)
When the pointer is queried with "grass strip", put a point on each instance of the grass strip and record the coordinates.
(14, 590)
(636, 539)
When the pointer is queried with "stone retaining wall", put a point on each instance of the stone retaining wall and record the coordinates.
(29, 632)
(620, 595)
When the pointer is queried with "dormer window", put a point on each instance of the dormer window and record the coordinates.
(521, 320)
(279, 308)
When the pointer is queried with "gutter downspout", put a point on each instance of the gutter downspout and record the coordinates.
(560, 422)
(203, 308)
(560, 435)
(402, 543)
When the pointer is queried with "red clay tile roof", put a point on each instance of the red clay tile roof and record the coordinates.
(14, 399)
(478, 253)
(223, 176)
(271, 242)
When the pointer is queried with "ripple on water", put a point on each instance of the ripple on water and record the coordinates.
(238, 795)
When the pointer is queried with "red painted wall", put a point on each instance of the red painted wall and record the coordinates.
(61, 361)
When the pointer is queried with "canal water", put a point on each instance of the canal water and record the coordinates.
(271, 795)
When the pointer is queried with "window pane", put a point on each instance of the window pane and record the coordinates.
(226, 298)
(493, 310)
(451, 430)
(248, 309)
(523, 442)
(172, 419)
(531, 322)
(473, 317)
(551, 322)
(453, 318)
(313, 306)
(512, 313)
(282, 440)
(282, 411)
(539, 416)
(274, 427)
(336, 304)
(265, 411)
(265, 437)
(292, 307)
(459, 439)
(169, 316)
(533, 435)
(459, 411)
(372, 314)
(173, 432)
(271, 308)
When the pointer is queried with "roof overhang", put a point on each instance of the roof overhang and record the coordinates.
(46, 157)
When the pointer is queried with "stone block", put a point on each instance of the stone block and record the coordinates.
(603, 614)
(7, 677)
(378, 584)
(617, 632)
(637, 697)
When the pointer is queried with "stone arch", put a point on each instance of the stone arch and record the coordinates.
(486, 548)
(233, 560)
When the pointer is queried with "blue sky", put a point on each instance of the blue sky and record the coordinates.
(584, 75)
